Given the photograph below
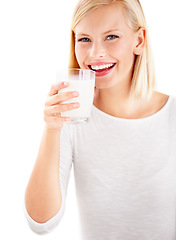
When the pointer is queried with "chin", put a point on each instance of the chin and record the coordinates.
(103, 84)
(106, 82)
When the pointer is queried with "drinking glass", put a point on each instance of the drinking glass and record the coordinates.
(83, 81)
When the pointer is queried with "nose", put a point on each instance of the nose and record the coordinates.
(97, 50)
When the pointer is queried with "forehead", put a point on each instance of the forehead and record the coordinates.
(106, 17)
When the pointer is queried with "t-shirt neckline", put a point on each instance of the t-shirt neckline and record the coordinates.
(157, 114)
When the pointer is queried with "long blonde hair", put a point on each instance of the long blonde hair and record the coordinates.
(143, 80)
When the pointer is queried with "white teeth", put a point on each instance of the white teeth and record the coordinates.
(102, 66)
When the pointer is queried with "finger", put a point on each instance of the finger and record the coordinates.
(59, 108)
(58, 114)
(60, 97)
(57, 118)
(56, 87)
(56, 121)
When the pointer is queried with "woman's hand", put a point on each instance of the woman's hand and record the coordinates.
(54, 108)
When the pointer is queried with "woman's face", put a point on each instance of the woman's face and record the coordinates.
(106, 44)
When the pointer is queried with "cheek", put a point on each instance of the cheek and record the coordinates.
(124, 53)
(77, 54)
(116, 50)
(123, 47)
(80, 53)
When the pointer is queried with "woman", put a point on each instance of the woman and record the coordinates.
(124, 157)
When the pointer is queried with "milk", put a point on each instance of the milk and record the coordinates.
(85, 98)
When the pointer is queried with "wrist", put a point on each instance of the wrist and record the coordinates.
(52, 130)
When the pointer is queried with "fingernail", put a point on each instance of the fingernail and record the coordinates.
(66, 83)
(75, 94)
(76, 105)
(67, 119)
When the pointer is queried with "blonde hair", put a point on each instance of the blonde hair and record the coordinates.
(143, 79)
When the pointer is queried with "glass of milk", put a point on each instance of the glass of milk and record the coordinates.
(83, 81)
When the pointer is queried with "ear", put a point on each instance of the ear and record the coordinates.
(140, 41)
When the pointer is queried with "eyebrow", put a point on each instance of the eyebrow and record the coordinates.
(84, 34)
(113, 30)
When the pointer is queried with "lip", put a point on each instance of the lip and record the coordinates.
(100, 63)
(102, 72)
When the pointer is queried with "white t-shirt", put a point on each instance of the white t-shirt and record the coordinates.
(125, 176)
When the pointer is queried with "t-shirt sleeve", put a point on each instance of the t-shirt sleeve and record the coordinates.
(64, 175)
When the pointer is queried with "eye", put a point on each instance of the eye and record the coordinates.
(111, 37)
(84, 40)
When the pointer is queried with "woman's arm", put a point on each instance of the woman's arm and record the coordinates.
(43, 196)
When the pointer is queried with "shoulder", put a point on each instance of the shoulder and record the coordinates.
(154, 105)
(159, 100)
(161, 96)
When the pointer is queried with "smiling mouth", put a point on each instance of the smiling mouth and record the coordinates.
(102, 68)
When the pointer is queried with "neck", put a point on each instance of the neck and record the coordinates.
(116, 102)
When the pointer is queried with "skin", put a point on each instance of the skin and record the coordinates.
(43, 195)
(110, 39)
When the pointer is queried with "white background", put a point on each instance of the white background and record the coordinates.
(34, 44)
